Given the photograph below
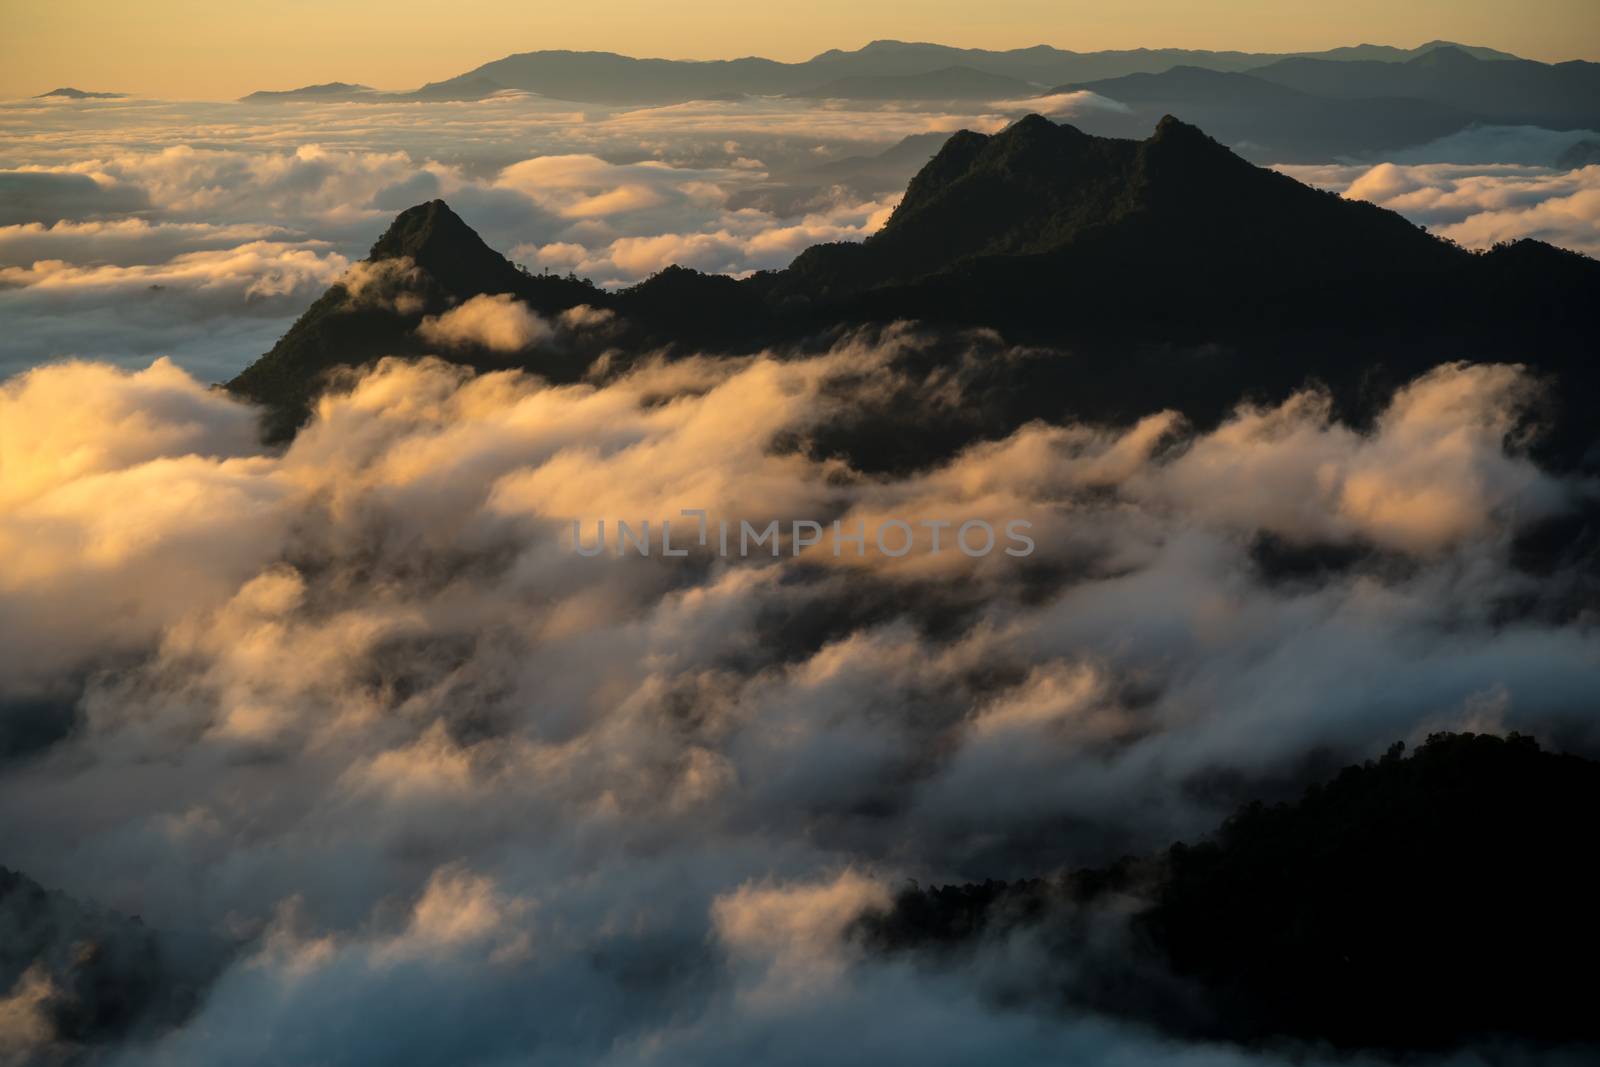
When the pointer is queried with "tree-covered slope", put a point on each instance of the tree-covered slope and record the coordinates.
(1411, 902)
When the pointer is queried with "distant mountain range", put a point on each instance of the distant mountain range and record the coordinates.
(1270, 122)
(1558, 95)
(608, 78)
(1307, 110)
(326, 91)
(1346, 103)
(69, 93)
(1176, 273)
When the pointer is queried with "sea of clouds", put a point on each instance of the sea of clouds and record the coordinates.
(441, 791)
(136, 228)
(435, 789)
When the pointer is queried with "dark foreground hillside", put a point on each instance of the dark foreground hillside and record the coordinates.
(1413, 902)
(96, 976)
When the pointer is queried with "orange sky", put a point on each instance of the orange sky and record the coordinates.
(216, 49)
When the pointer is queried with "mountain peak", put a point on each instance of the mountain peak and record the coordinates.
(1172, 134)
(72, 93)
(437, 240)
(1038, 187)
(326, 92)
(417, 228)
(1032, 124)
(1171, 126)
(1034, 133)
(1445, 55)
(1477, 52)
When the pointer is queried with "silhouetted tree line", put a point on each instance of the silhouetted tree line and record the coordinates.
(1410, 903)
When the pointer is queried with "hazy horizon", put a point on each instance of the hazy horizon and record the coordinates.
(175, 49)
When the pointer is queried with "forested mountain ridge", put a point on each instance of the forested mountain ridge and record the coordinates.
(1410, 902)
(1128, 253)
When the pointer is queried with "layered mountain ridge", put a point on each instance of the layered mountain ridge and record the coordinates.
(1341, 104)
(1126, 253)
(607, 77)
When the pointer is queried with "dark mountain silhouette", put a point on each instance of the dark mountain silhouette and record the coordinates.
(916, 148)
(327, 91)
(439, 263)
(1390, 54)
(1130, 253)
(1276, 123)
(609, 78)
(948, 83)
(1585, 153)
(1409, 903)
(1041, 63)
(435, 238)
(464, 88)
(70, 93)
(1049, 66)
(1173, 272)
(109, 975)
(884, 171)
(1559, 95)
(1040, 188)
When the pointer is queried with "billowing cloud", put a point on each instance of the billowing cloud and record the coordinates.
(1062, 106)
(167, 192)
(583, 186)
(393, 283)
(742, 241)
(359, 710)
(441, 789)
(1487, 144)
(1479, 205)
(243, 296)
(123, 242)
(585, 317)
(253, 270)
(1431, 474)
(499, 323)
(50, 196)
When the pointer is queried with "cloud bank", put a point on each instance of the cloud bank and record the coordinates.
(125, 223)
(447, 790)
(499, 323)
(1479, 205)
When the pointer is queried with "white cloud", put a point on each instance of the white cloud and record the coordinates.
(461, 796)
(500, 323)
(1064, 105)
(793, 933)
(1480, 145)
(125, 242)
(387, 283)
(617, 193)
(1479, 205)
(742, 241)
(248, 271)
(367, 675)
(584, 317)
